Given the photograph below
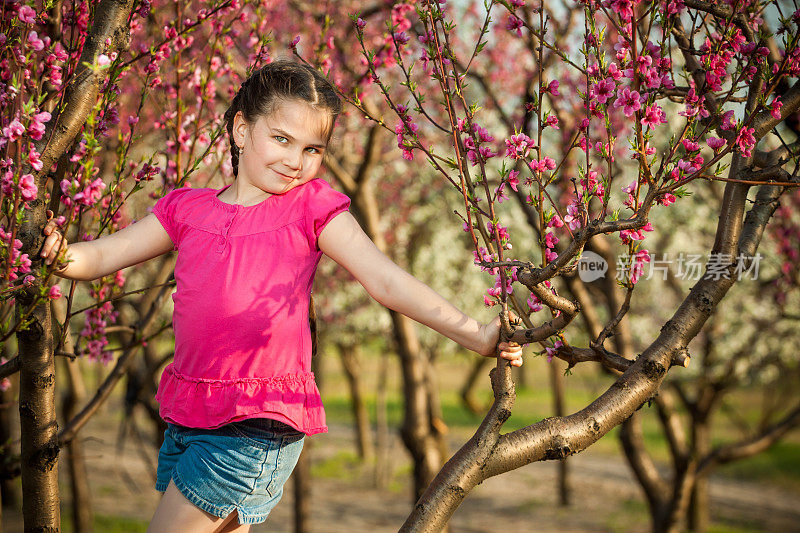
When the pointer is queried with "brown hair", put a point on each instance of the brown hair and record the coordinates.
(280, 80)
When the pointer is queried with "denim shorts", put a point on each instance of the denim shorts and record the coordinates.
(240, 466)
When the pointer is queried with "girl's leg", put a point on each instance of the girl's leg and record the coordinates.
(232, 525)
(176, 514)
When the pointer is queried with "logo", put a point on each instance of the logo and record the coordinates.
(591, 267)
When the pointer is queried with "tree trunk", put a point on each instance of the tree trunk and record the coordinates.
(381, 478)
(38, 424)
(302, 490)
(417, 431)
(350, 362)
(76, 465)
(699, 505)
(557, 383)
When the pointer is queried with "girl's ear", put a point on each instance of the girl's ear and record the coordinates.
(239, 129)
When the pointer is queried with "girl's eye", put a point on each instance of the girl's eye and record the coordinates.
(281, 139)
(312, 150)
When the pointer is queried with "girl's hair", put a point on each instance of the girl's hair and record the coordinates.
(280, 80)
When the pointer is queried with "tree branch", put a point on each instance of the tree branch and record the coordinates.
(753, 445)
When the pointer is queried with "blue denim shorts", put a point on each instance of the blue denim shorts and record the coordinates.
(240, 466)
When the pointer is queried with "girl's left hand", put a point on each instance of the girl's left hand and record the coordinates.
(510, 351)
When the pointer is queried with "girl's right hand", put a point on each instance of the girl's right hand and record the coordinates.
(54, 244)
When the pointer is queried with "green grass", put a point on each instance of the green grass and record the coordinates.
(779, 465)
(631, 513)
(343, 465)
(107, 524)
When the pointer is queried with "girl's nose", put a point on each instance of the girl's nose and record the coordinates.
(293, 160)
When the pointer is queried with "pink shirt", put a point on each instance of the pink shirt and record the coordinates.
(244, 277)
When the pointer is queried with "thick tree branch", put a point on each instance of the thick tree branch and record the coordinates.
(110, 23)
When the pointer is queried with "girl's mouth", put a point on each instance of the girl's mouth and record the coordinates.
(284, 176)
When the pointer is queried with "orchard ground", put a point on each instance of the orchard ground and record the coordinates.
(760, 494)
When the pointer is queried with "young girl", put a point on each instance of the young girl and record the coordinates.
(240, 397)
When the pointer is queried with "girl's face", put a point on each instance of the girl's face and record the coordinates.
(282, 150)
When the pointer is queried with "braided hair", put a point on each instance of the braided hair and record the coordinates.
(280, 80)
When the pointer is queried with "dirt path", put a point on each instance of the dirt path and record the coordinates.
(604, 495)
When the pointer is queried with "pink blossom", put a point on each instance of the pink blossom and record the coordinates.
(666, 199)
(690, 145)
(715, 143)
(640, 258)
(629, 101)
(360, 23)
(36, 43)
(552, 88)
(728, 121)
(513, 179)
(552, 121)
(103, 60)
(572, 218)
(500, 194)
(296, 40)
(775, 106)
(551, 352)
(54, 293)
(674, 7)
(24, 263)
(170, 32)
(27, 187)
(534, 303)
(519, 145)
(33, 159)
(623, 8)
(14, 130)
(27, 15)
(515, 25)
(602, 90)
(5, 384)
(745, 141)
(36, 128)
(653, 116)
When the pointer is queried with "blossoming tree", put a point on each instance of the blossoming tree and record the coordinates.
(729, 80)
(697, 91)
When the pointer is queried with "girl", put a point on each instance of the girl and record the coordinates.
(239, 397)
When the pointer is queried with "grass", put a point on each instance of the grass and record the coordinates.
(344, 465)
(779, 465)
(106, 523)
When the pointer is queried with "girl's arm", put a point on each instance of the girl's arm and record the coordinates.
(90, 260)
(343, 240)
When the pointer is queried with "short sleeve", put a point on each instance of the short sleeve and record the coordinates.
(166, 211)
(323, 205)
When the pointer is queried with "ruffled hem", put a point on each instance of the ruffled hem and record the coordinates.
(211, 403)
